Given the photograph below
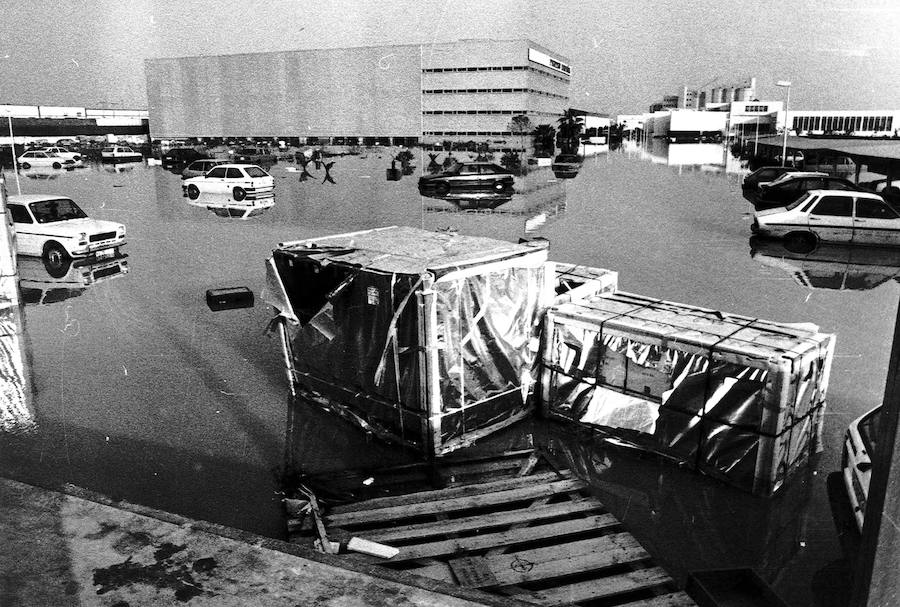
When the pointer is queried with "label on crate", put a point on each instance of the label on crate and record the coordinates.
(372, 296)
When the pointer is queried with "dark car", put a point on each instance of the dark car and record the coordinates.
(180, 156)
(566, 166)
(201, 167)
(262, 156)
(764, 175)
(790, 187)
(889, 191)
(469, 175)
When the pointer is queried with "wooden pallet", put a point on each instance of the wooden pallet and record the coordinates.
(540, 538)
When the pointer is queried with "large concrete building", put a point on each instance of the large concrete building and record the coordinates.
(465, 90)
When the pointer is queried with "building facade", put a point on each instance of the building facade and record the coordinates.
(460, 91)
(845, 123)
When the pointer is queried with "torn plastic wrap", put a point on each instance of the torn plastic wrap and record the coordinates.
(738, 398)
(428, 339)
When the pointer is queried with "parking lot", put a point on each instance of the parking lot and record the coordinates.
(142, 392)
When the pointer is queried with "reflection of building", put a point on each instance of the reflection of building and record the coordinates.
(466, 90)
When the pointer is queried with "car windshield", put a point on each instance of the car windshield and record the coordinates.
(255, 172)
(567, 158)
(799, 201)
(58, 209)
(868, 431)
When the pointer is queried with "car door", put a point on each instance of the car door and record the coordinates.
(215, 181)
(468, 176)
(875, 222)
(27, 241)
(831, 218)
(235, 177)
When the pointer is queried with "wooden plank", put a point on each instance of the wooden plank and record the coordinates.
(451, 505)
(600, 588)
(675, 599)
(481, 521)
(604, 552)
(441, 494)
(473, 572)
(515, 536)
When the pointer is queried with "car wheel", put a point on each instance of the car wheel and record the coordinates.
(56, 260)
(238, 193)
(57, 165)
(193, 192)
(800, 242)
(25, 165)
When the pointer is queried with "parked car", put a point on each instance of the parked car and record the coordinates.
(860, 442)
(179, 156)
(40, 158)
(56, 228)
(831, 216)
(239, 180)
(201, 167)
(120, 153)
(791, 186)
(764, 175)
(889, 191)
(566, 166)
(478, 175)
(63, 152)
(255, 156)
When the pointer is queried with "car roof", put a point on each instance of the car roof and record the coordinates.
(239, 165)
(29, 198)
(853, 193)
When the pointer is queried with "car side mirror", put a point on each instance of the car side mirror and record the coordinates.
(864, 466)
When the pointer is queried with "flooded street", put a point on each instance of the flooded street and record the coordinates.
(142, 393)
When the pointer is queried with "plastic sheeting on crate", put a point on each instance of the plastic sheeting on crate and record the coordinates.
(720, 392)
(426, 338)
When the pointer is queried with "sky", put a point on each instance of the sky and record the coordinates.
(625, 54)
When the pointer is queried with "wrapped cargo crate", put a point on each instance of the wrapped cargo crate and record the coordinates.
(739, 398)
(425, 338)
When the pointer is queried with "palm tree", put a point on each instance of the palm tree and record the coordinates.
(544, 139)
(570, 127)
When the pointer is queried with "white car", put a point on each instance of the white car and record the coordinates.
(40, 158)
(831, 216)
(860, 441)
(63, 153)
(240, 181)
(56, 228)
(120, 153)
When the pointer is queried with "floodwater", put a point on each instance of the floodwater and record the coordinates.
(141, 392)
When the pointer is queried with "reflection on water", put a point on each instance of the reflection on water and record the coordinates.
(223, 205)
(42, 282)
(16, 385)
(831, 266)
(121, 166)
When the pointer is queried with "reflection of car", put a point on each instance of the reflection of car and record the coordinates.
(830, 266)
(201, 167)
(831, 216)
(478, 175)
(120, 153)
(239, 180)
(43, 283)
(223, 205)
(791, 186)
(860, 442)
(765, 175)
(255, 156)
(178, 156)
(56, 228)
(566, 165)
(40, 158)
(63, 153)
(472, 199)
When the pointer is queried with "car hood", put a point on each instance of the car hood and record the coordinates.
(85, 224)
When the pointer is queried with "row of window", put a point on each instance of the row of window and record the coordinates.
(756, 108)
(493, 68)
(489, 112)
(843, 123)
(503, 90)
(842, 206)
(478, 133)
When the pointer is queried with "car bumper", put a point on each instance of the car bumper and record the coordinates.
(101, 249)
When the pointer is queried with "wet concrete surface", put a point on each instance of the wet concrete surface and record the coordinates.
(143, 393)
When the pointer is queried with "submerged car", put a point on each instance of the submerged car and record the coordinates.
(765, 175)
(40, 158)
(791, 186)
(479, 175)
(860, 442)
(255, 156)
(239, 180)
(56, 228)
(201, 167)
(120, 153)
(831, 216)
(180, 156)
(63, 152)
(566, 166)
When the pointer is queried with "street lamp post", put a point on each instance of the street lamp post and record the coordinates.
(786, 84)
